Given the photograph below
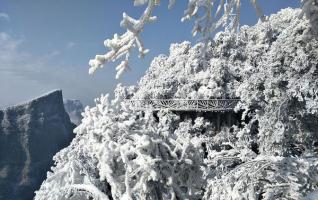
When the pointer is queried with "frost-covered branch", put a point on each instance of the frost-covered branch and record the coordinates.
(121, 46)
(91, 189)
(271, 152)
(226, 15)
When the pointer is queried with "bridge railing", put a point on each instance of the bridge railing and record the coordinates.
(212, 105)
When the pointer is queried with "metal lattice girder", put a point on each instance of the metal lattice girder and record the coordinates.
(212, 105)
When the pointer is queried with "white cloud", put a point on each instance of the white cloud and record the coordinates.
(19, 62)
(7, 43)
(54, 53)
(24, 75)
(70, 45)
(9, 54)
(4, 16)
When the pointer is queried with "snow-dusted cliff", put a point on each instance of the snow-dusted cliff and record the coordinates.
(74, 108)
(30, 134)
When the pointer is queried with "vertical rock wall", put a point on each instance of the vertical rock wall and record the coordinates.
(30, 135)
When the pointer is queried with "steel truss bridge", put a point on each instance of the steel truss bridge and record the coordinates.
(197, 105)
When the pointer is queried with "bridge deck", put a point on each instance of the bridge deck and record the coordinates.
(211, 105)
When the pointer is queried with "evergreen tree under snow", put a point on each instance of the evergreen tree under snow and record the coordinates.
(119, 153)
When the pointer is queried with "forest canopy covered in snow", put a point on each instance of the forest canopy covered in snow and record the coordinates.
(120, 153)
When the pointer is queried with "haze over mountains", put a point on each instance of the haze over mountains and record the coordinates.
(74, 108)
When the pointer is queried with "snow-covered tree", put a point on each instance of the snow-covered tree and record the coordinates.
(215, 14)
(119, 153)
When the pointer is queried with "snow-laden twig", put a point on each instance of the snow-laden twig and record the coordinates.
(211, 21)
(91, 189)
(121, 45)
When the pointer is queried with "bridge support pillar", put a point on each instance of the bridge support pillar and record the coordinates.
(229, 119)
(218, 121)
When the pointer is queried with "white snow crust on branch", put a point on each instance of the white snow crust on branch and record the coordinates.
(137, 157)
(271, 154)
(227, 15)
(121, 46)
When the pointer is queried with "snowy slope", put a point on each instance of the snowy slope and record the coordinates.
(74, 108)
(30, 134)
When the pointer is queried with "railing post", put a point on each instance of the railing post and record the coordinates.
(206, 105)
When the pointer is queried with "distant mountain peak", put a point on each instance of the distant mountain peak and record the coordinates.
(74, 108)
(54, 94)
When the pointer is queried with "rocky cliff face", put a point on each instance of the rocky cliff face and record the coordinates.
(30, 135)
(74, 108)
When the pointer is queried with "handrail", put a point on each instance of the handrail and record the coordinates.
(212, 105)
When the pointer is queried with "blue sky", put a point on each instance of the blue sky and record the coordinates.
(46, 44)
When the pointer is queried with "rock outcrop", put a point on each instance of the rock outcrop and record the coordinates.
(30, 135)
